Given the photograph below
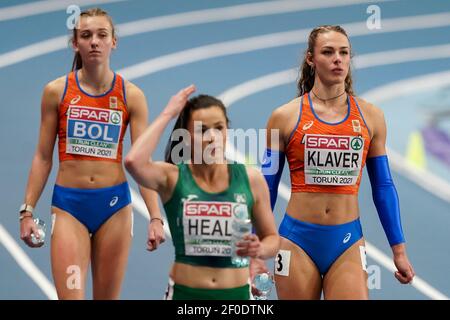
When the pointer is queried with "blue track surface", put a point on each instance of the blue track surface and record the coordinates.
(426, 217)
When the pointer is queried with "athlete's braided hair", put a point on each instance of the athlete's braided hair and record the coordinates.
(307, 74)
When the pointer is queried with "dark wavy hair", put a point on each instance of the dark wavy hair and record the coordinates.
(202, 101)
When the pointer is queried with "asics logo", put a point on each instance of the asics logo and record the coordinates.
(308, 125)
(113, 201)
(347, 237)
(75, 100)
(189, 198)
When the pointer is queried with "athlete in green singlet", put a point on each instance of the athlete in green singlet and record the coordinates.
(201, 193)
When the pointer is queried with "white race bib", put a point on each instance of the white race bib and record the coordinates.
(332, 160)
(93, 132)
(207, 227)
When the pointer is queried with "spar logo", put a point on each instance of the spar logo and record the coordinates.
(206, 208)
(115, 117)
(93, 124)
(80, 113)
(327, 142)
(356, 143)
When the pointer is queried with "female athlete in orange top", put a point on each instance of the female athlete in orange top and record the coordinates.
(89, 110)
(327, 134)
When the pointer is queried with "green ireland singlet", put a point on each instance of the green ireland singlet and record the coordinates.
(200, 222)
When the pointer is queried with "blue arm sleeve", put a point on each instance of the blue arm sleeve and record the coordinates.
(272, 168)
(385, 198)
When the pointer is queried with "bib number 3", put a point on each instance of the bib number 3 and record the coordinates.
(282, 262)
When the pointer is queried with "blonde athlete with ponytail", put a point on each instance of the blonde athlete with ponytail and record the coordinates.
(327, 135)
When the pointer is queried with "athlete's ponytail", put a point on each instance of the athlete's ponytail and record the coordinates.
(196, 103)
(77, 62)
(307, 73)
(94, 12)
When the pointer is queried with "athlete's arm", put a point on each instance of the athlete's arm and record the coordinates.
(383, 189)
(385, 195)
(138, 110)
(265, 243)
(149, 174)
(42, 159)
(274, 157)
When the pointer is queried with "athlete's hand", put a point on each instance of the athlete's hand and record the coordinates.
(156, 235)
(250, 246)
(178, 101)
(27, 227)
(256, 266)
(405, 273)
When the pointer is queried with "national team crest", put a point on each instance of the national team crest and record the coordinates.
(240, 198)
(113, 102)
(356, 126)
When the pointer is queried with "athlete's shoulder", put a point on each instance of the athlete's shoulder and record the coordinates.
(132, 89)
(56, 84)
(134, 95)
(254, 175)
(370, 110)
(368, 106)
(284, 112)
(54, 89)
(257, 182)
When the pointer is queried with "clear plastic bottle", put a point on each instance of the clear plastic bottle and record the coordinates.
(240, 226)
(40, 224)
(263, 282)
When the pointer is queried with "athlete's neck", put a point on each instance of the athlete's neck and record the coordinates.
(98, 78)
(333, 95)
(209, 172)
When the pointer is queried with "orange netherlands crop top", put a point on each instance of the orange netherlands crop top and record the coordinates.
(92, 127)
(327, 157)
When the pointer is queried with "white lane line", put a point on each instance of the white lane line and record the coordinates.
(33, 50)
(427, 180)
(372, 251)
(402, 56)
(410, 85)
(60, 42)
(27, 264)
(139, 205)
(175, 20)
(287, 76)
(39, 7)
(259, 84)
(230, 13)
(417, 283)
(398, 24)
(381, 258)
(423, 179)
(274, 40)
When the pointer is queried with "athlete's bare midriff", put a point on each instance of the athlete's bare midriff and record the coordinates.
(89, 174)
(318, 207)
(207, 277)
(323, 208)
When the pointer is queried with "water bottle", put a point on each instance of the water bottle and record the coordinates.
(240, 227)
(40, 224)
(263, 282)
